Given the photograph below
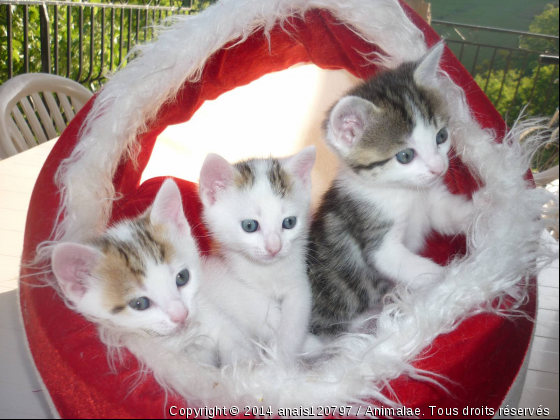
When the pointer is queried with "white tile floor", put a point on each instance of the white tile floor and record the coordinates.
(20, 392)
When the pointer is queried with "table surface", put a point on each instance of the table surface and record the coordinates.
(20, 392)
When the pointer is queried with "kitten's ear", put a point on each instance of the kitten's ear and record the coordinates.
(73, 266)
(347, 122)
(426, 71)
(302, 163)
(216, 174)
(168, 207)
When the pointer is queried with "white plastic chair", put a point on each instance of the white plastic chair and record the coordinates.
(35, 108)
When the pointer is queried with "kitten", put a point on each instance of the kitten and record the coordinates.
(392, 139)
(145, 285)
(258, 212)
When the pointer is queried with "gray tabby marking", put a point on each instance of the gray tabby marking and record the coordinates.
(346, 230)
(280, 180)
(344, 283)
(246, 175)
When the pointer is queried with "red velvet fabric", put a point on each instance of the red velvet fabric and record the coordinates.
(481, 358)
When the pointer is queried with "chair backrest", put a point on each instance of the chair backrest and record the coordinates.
(35, 108)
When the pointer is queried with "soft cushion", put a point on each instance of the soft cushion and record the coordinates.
(481, 358)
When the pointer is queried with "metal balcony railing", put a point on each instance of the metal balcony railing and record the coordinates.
(79, 40)
(514, 68)
(84, 40)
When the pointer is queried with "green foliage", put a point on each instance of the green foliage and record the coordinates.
(78, 67)
(535, 92)
(536, 89)
(508, 14)
(34, 43)
(546, 23)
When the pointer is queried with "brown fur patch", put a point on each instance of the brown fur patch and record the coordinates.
(154, 239)
(120, 278)
(399, 101)
(124, 267)
(280, 180)
(245, 177)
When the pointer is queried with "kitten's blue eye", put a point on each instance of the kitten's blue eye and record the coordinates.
(250, 226)
(442, 136)
(289, 222)
(183, 278)
(140, 304)
(405, 156)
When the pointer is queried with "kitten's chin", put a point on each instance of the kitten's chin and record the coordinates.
(266, 259)
(176, 330)
(427, 183)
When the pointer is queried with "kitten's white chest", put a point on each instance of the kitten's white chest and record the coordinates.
(417, 223)
(276, 281)
(408, 213)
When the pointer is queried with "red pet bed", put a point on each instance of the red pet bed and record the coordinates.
(481, 358)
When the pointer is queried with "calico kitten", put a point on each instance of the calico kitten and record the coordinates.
(391, 135)
(258, 212)
(145, 285)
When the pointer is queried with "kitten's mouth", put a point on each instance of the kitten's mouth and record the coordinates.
(267, 259)
(181, 327)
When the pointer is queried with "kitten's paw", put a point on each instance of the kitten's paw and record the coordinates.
(481, 198)
(274, 318)
(428, 275)
(469, 211)
(312, 344)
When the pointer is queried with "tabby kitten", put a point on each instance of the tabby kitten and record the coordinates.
(392, 138)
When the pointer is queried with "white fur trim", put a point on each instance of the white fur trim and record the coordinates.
(503, 239)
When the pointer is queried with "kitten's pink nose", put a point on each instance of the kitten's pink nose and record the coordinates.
(273, 244)
(177, 313)
(437, 166)
(180, 317)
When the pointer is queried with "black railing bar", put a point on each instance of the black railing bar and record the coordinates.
(68, 41)
(504, 78)
(81, 41)
(9, 33)
(129, 40)
(462, 51)
(102, 64)
(521, 73)
(91, 47)
(475, 59)
(146, 26)
(112, 46)
(490, 29)
(26, 38)
(476, 44)
(550, 88)
(153, 22)
(55, 46)
(137, 26)
(490, 69)
(44, 29)
(547, 59)
(101, 5)
(535, 83)
(121, 39)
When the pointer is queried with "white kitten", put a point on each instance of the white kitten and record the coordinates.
(258, 212)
